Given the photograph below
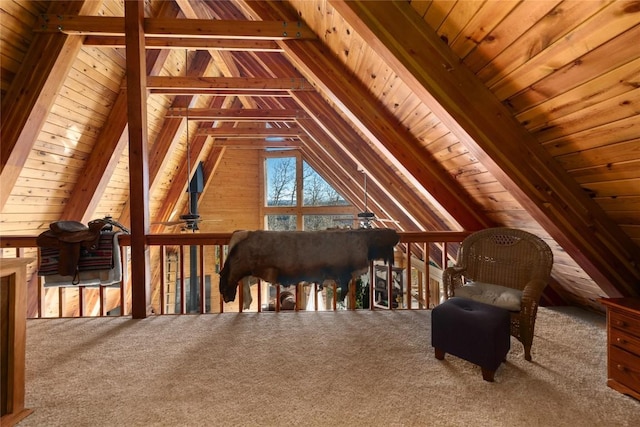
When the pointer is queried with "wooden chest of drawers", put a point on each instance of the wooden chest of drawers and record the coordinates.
(623, 341)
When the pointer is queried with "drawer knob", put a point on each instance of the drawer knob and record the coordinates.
(621, 367)
(621, 340)
(621, 323)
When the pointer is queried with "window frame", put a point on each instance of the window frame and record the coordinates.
(300, 209)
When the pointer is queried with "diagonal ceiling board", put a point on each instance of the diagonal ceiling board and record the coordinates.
(380, 126)
(32, 93)
(508, 151)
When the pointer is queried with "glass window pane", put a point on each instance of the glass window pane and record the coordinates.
(317, 191)
(281, 181)
(281, 222)
(322, 222)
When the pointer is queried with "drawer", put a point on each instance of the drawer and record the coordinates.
(624, 368)
(624, 341)
(624, 322)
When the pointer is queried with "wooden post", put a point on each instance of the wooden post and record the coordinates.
(138, 157)
(13, 318)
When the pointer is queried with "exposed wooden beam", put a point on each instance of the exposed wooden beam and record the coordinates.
(100, 165)
(138, 158)
(332, 143)
(238, 114)
(251, 132)
(255, 143)
(33, 92)
(203, 28)
(187, 43)
(223, 92)
(239, 84)
(169, 135)
(108, 148)
(339, 142)
(175, 196)
(378, 125)
(490, 132)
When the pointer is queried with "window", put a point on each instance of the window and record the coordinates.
(317, 191)
(281, 181)
(297, 197)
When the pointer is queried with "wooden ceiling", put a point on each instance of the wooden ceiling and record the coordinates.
(464, 114)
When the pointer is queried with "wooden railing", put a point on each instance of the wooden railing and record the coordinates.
(176, 258)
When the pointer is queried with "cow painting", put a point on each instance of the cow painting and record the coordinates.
(291, 257)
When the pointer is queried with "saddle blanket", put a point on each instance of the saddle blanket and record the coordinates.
(100, 258)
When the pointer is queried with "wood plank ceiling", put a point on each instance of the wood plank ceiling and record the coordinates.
(464, 114)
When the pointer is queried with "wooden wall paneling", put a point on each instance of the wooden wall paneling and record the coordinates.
(379, 126)
(199, 151)
(100, 165)
(622, 130)
(411, 112)
(615, 188)
(42, 72)
(610, 57)
(447, 147)
(437, 13)
(18, 18)
(610, 21)
(488, 16)
(90, 70)
(554, 25)
(420, 6)
(619, 250)
(611, 110)
(166, 152)
(588, 162)
(460, 14)
(340, 132)
(609, 84)
(233, 195)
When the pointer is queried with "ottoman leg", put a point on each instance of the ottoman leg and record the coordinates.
(487, 375)
(440, 354)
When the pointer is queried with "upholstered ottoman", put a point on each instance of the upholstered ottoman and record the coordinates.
(476, 332)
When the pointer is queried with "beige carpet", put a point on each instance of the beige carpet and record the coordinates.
(358, 368)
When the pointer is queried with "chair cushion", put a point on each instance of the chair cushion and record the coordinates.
(488, 293)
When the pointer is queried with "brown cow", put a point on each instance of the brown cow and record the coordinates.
(290, 257)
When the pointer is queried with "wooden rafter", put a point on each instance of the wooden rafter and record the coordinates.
(32, 94)
(187, 43)
(493, 136)
(379, 126)
(108, 148)
(251, 132)
(238, 114)
(199, 28)
(336, 139)
(255, 143)
(204, 84)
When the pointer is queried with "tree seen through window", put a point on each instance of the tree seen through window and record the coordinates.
(282, 191)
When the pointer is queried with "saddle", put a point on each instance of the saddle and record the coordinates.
(70, 237)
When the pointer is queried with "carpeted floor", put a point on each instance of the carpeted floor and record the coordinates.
(352, 368)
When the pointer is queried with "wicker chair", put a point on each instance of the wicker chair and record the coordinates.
(507, 257)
